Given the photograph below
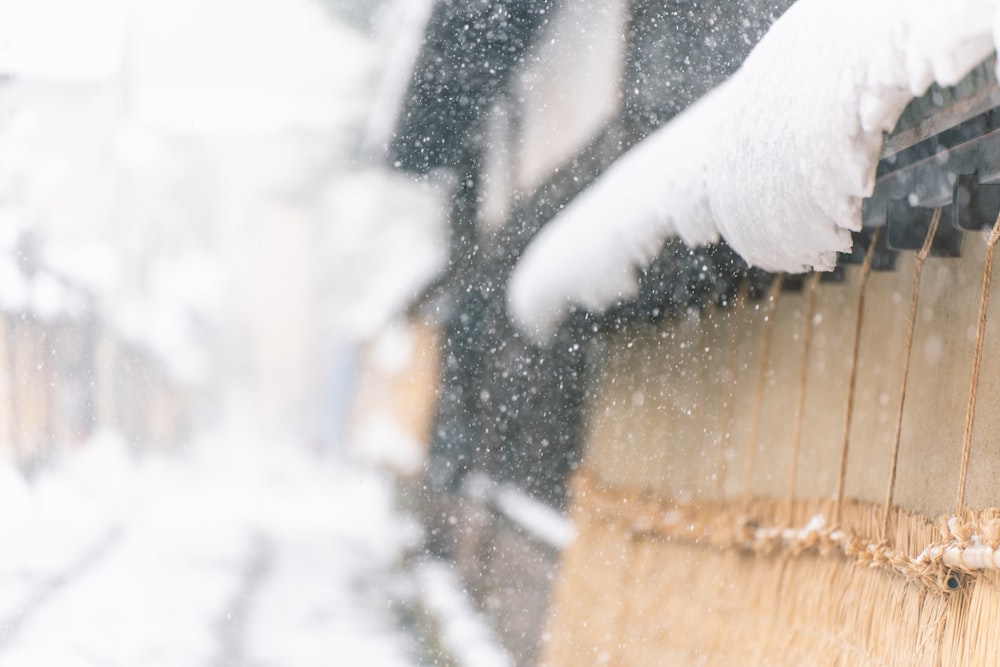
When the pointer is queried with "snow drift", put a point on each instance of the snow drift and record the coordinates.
(776, 160)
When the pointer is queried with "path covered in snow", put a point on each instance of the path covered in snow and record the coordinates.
(238, 551)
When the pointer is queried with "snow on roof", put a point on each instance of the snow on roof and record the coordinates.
(403, 40)
(776, 160)
(386, 241)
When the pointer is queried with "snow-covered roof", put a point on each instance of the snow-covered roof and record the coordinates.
(402, 42)
(386, 242)
(777, 160)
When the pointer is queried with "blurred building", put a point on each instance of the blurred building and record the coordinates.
(168, 167)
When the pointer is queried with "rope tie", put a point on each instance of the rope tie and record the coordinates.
(730, 406)
(800, 404)
(931, 558)
(977, 357)
(925, 251)
(866, 268)
(701, 416)
(765, 353)
(629, 578)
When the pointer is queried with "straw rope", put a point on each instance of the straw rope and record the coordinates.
(758, 407)
(939, 556)
(977, 357)
(702, 418)
(800, 404)
(629, 581)
(866, 268)
(729, 411)
(925, 252)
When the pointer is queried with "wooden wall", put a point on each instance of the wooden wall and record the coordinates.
(664, 397)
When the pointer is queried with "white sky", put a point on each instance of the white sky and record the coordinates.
(210, 64)
(62, 40)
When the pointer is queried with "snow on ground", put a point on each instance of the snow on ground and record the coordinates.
(465, 632)
(240, 550)
(776, 160)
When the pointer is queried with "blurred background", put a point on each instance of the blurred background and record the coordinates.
(181, 171)
(197, 233)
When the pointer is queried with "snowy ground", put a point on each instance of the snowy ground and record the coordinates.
(237, 551)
